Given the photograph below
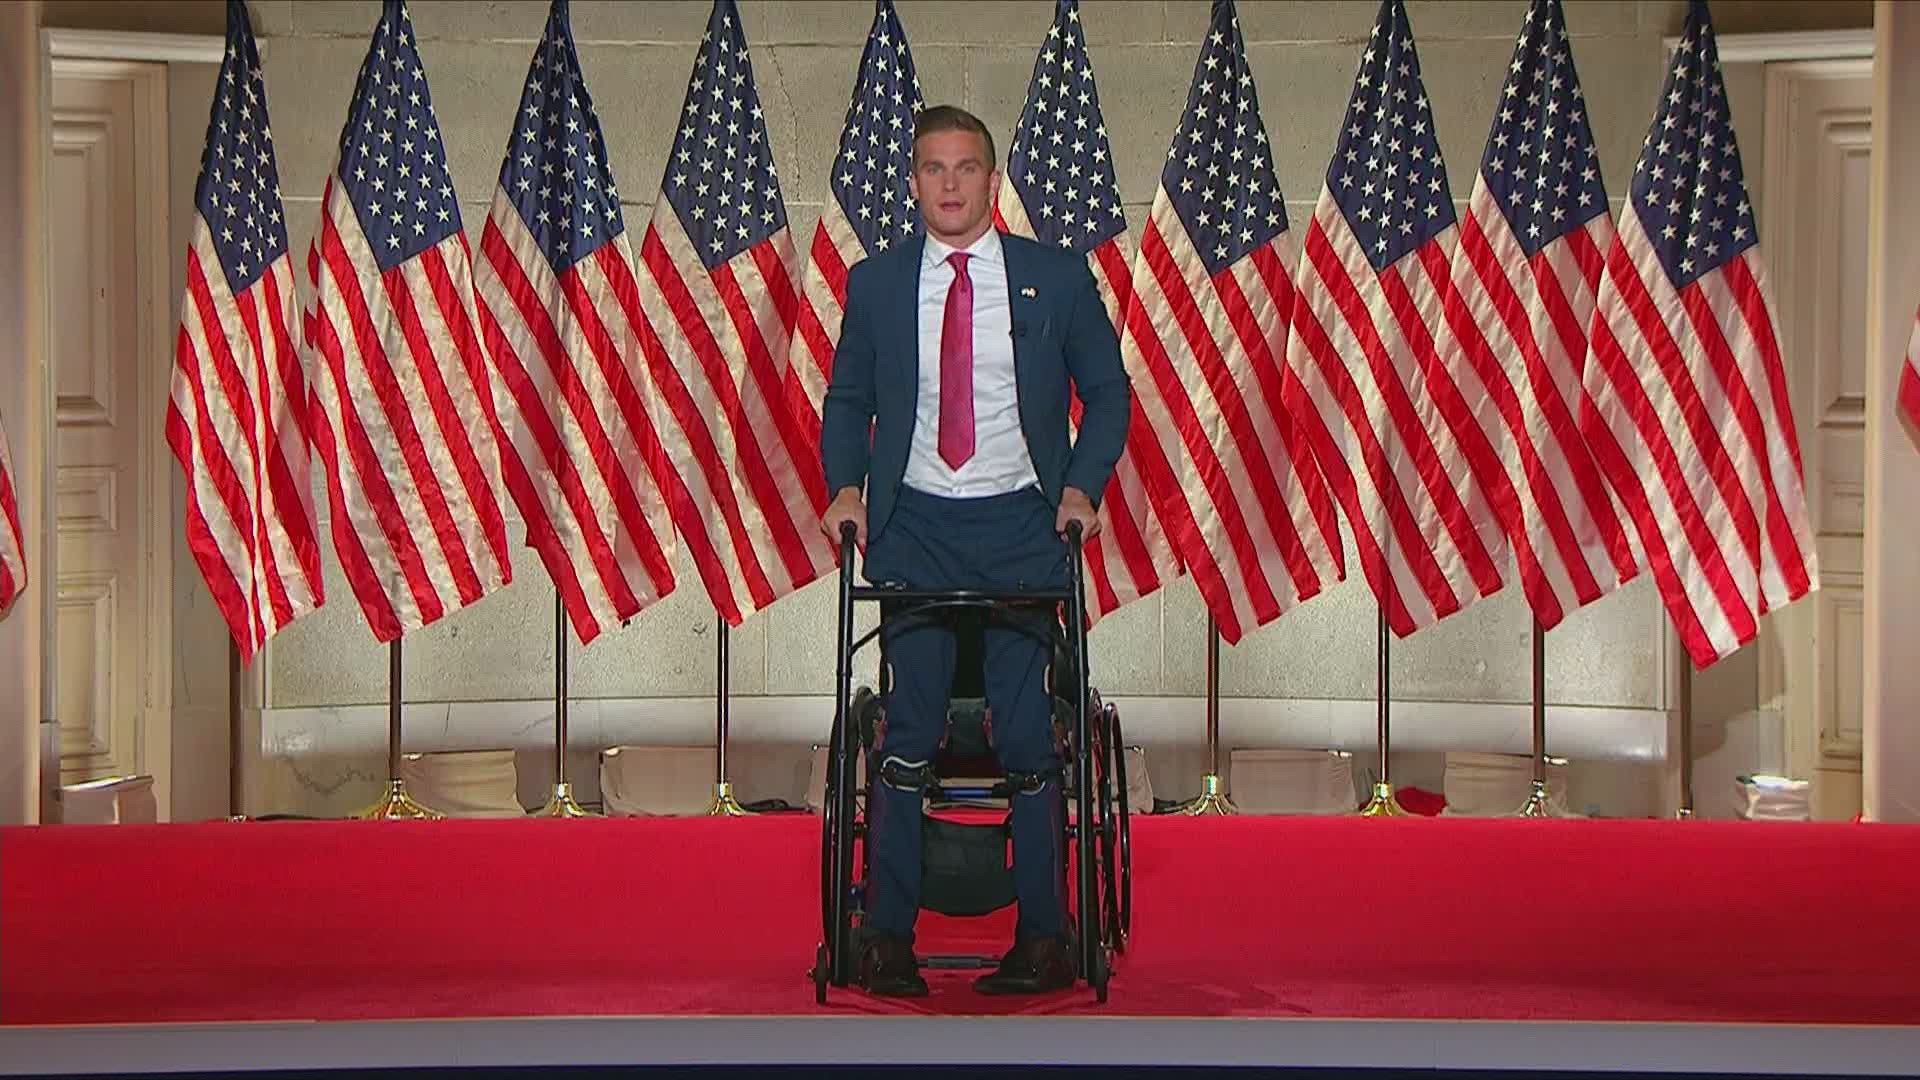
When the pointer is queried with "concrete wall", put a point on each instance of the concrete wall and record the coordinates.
(978, 54)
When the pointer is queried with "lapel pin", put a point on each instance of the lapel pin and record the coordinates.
(1028, 292)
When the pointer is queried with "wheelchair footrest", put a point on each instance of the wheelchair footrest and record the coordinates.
(959, 962)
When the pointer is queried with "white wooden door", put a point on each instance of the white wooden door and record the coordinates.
(108, 363)
(1819, 144)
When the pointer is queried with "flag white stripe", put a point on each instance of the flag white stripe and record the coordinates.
(1270, 565)
(278, 402)
(1110, 563)
(1609, 407)
(229, 441)
(1669, 404)
(1422, 507)
(711, 413)
(1509, 261)
(597, 478)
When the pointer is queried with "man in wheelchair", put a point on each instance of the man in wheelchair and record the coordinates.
(948, 404)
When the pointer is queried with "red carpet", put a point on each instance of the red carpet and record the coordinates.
(1238, 917)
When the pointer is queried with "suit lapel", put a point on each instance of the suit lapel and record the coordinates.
(1022, 299)
(906, 307)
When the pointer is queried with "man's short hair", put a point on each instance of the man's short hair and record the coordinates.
(952, 118)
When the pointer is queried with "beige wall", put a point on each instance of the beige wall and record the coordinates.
(977, 54)
(21, 307)
(1891, 727)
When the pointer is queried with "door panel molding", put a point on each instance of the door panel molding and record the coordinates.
(112, 393)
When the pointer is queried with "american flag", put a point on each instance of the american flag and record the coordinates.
(1249, 511)
(1685, 402)
(404, 414)
(1909, 392)
(13, 552)
(1525, 278)
(1058, 188)
(237, 415)
(559, 309)
(871, 208)
(719, 309)
(1392, 433)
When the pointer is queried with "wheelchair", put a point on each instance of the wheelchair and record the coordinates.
(964, 865)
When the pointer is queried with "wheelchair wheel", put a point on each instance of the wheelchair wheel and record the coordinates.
(1103, 825)
(834, 959)
(1119, 836)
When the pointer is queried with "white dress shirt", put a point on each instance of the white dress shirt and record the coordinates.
(1000, 463)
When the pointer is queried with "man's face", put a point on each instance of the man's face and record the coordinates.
(952, 182)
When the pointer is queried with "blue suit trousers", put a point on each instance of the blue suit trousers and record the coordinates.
(1000, 543)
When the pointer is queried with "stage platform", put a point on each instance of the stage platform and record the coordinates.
(1451, 944)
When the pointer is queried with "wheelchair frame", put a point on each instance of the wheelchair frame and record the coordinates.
(1102, 871)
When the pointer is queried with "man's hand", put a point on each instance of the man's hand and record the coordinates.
(1075, 506)
(845, 507)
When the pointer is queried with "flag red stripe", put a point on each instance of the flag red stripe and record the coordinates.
(1909, 398)
(361, 577)
(1333, 464)
(542, 535)
(207, 552)
(1753, 304)
(453, 548)
(290, 493)
(1169, 496)
(666, 477)
(1511, 311)
(1548, 289)
(1281, 404)
(1469, 438)
(756, 460)
(769, 371)
(1693, 411)
(1123, 519)
(261, 452)
(1344, 293)
(368, 467)
(1268, 499)
(1612, 460)
(1746, 414)
(693, 428)
(633, 413)
(1205, 351)
(1269, 371)
(560, 464)
(1626, 386)
(1559, 412)
(219, 466)
(452, 303)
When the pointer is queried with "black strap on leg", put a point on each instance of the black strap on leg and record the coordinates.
(903, 775)
(1031, 783)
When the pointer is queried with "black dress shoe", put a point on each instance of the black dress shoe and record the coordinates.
(888, 968)
(1033, 966)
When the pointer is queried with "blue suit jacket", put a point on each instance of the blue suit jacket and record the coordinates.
(1062, 339)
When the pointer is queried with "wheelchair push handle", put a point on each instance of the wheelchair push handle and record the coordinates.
(847, 534)
(1073, 535)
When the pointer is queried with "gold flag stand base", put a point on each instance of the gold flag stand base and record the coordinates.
(561, 804)
(1536, 805)
(1211, 800)
(398, 805)
(1382, 803)
(724, 804)
(1685, 814)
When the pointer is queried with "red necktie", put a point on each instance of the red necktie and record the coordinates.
(956, 368)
